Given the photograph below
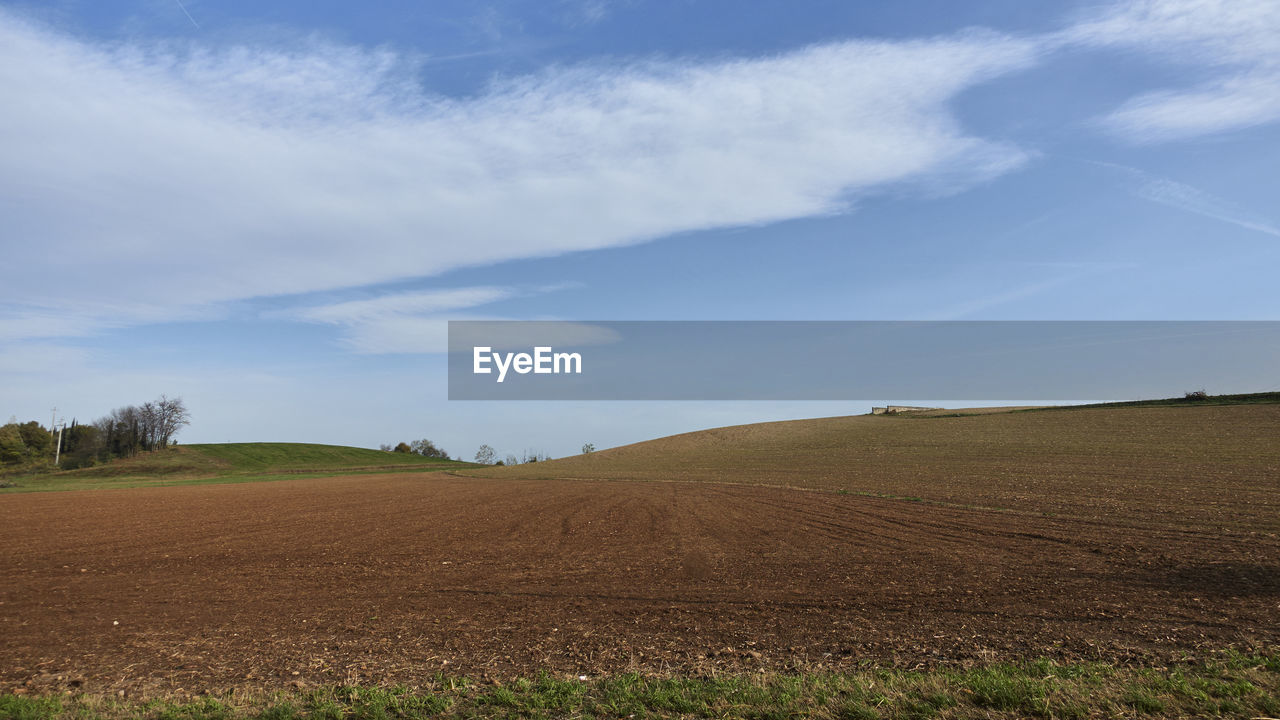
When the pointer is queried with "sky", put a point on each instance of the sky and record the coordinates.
(273, 209)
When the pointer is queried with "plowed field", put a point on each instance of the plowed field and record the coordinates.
(393, 578)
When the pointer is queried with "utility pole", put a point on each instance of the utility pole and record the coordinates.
(57, 454)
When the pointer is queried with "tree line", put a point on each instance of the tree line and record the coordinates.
(423, 447)
(124, 432)
(485, 455)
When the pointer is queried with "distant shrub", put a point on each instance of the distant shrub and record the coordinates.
(77, 460)
(38, 440)
(1197, 395)
(426, 448)
(12, 448)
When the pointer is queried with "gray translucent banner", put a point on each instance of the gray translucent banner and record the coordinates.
(858, 360)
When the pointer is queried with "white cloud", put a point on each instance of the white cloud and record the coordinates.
(407, 322)
(398, 334)
(1228, 104)
(430, 334)
(1239, 40)
(399, 304)
(501, 334)
(418, 322)
(173, 177)
(62, 318)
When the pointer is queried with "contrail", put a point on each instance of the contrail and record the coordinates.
(1190, 199)
(184, 12)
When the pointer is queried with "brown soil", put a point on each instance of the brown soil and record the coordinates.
(393, 578)
(1183, 467)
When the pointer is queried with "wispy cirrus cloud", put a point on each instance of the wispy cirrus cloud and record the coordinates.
(399, 304)
(1190, 199)
(418, 322)
(586, 12)
(176, 176)
(1231, 47)
(403, 322)
(71, 318)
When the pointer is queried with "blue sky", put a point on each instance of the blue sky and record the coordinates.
(272, 209)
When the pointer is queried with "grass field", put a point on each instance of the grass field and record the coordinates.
(1231, 686)
(229, 462)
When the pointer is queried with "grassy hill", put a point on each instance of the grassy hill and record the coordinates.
(1216, 464)
(231, 462)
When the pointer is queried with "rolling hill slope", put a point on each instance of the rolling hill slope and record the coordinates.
(233, 462)
(1211, 465)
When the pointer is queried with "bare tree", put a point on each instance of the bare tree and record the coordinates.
(533, 456)
(132, 429)
(170, 417)
(149, 425)
(485, 454)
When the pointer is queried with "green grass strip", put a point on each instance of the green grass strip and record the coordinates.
(1233, 685)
